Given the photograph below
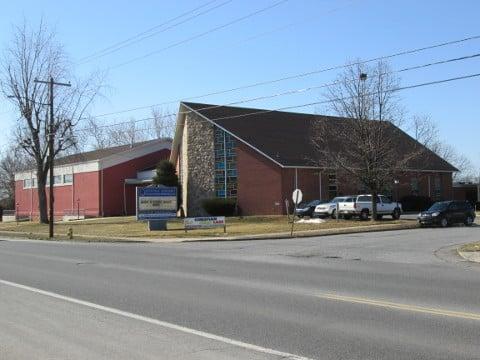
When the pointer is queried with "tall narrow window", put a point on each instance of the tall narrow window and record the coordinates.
(225, 165)
(332, 185)
(414, 185)
(437, 188)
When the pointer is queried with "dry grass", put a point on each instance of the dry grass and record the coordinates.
(470, 247)
(128, 227)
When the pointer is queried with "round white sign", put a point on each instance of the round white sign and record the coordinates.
(297, 196)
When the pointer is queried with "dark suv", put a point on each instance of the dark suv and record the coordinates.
(445, 213)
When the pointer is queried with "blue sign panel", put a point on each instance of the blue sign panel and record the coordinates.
(156, 203)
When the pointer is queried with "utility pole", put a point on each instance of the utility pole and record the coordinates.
(51, 151)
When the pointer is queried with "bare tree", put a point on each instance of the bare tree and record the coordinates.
(364, 144)
(35, 54)
(123, 133)
(128, 133)
(426, 131)
(12, 160)
(160, 125)
(96, 135)
(163, 123)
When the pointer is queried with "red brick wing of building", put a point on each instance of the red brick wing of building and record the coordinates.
(95, 183)
(259, 157)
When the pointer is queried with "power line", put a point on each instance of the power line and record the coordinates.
(289, 25)
(430, 83)
(302, 90)
(299, 106)
(184, 41)
(147, 34)
(350, 97)
(296, 76)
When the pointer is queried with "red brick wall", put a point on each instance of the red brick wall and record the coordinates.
(259, 183)
(466, 193)
(308, 181)
(262, 184)
(87, 193)
(26, 200)
(86, 188)
(350, 186)
(426, 183)
(114, 178)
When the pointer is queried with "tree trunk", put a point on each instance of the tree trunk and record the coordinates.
(42, 197)
(374, 205)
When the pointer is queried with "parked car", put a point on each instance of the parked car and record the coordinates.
(361, 206)
(306, 208)
(330, 208)
(446, 213)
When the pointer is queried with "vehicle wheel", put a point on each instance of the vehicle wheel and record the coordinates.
(334, 214)
(469, 221)
(444, 222)
(364, 215)
(396, 214)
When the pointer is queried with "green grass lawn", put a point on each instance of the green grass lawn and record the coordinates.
(128, 227)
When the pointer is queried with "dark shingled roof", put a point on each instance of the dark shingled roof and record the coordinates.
(97, 154)
(286, 136)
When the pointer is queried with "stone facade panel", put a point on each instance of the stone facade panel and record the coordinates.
(199, 157)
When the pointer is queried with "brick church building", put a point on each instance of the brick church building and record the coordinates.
(259, 157)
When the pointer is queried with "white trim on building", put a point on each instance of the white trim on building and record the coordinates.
(101, 164)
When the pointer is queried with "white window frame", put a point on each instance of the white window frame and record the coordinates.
(67, 182)
(27, 183)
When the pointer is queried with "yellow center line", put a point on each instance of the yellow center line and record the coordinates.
(399, 306)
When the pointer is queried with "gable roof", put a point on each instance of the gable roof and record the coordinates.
(98, 154)
(101, 159)
(285, 137)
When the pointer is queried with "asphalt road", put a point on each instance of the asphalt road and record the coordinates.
(389, 295)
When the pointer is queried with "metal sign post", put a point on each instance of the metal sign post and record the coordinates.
(297, 197)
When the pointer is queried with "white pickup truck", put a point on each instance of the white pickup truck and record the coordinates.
(362, 207)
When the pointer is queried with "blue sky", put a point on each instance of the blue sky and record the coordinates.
(294, 37)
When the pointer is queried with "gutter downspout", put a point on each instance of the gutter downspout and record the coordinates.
(124, 198)
(320, 185)
(296, 178)
(31, 195)
(478, 191)
(73, 190)
(429, 187)
(101, 194)
(225, 162)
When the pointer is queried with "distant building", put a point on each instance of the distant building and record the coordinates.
(259, 157)
(95, 183)
(468, 191)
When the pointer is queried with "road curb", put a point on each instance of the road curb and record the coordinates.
(271, 236)
(310, 233)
